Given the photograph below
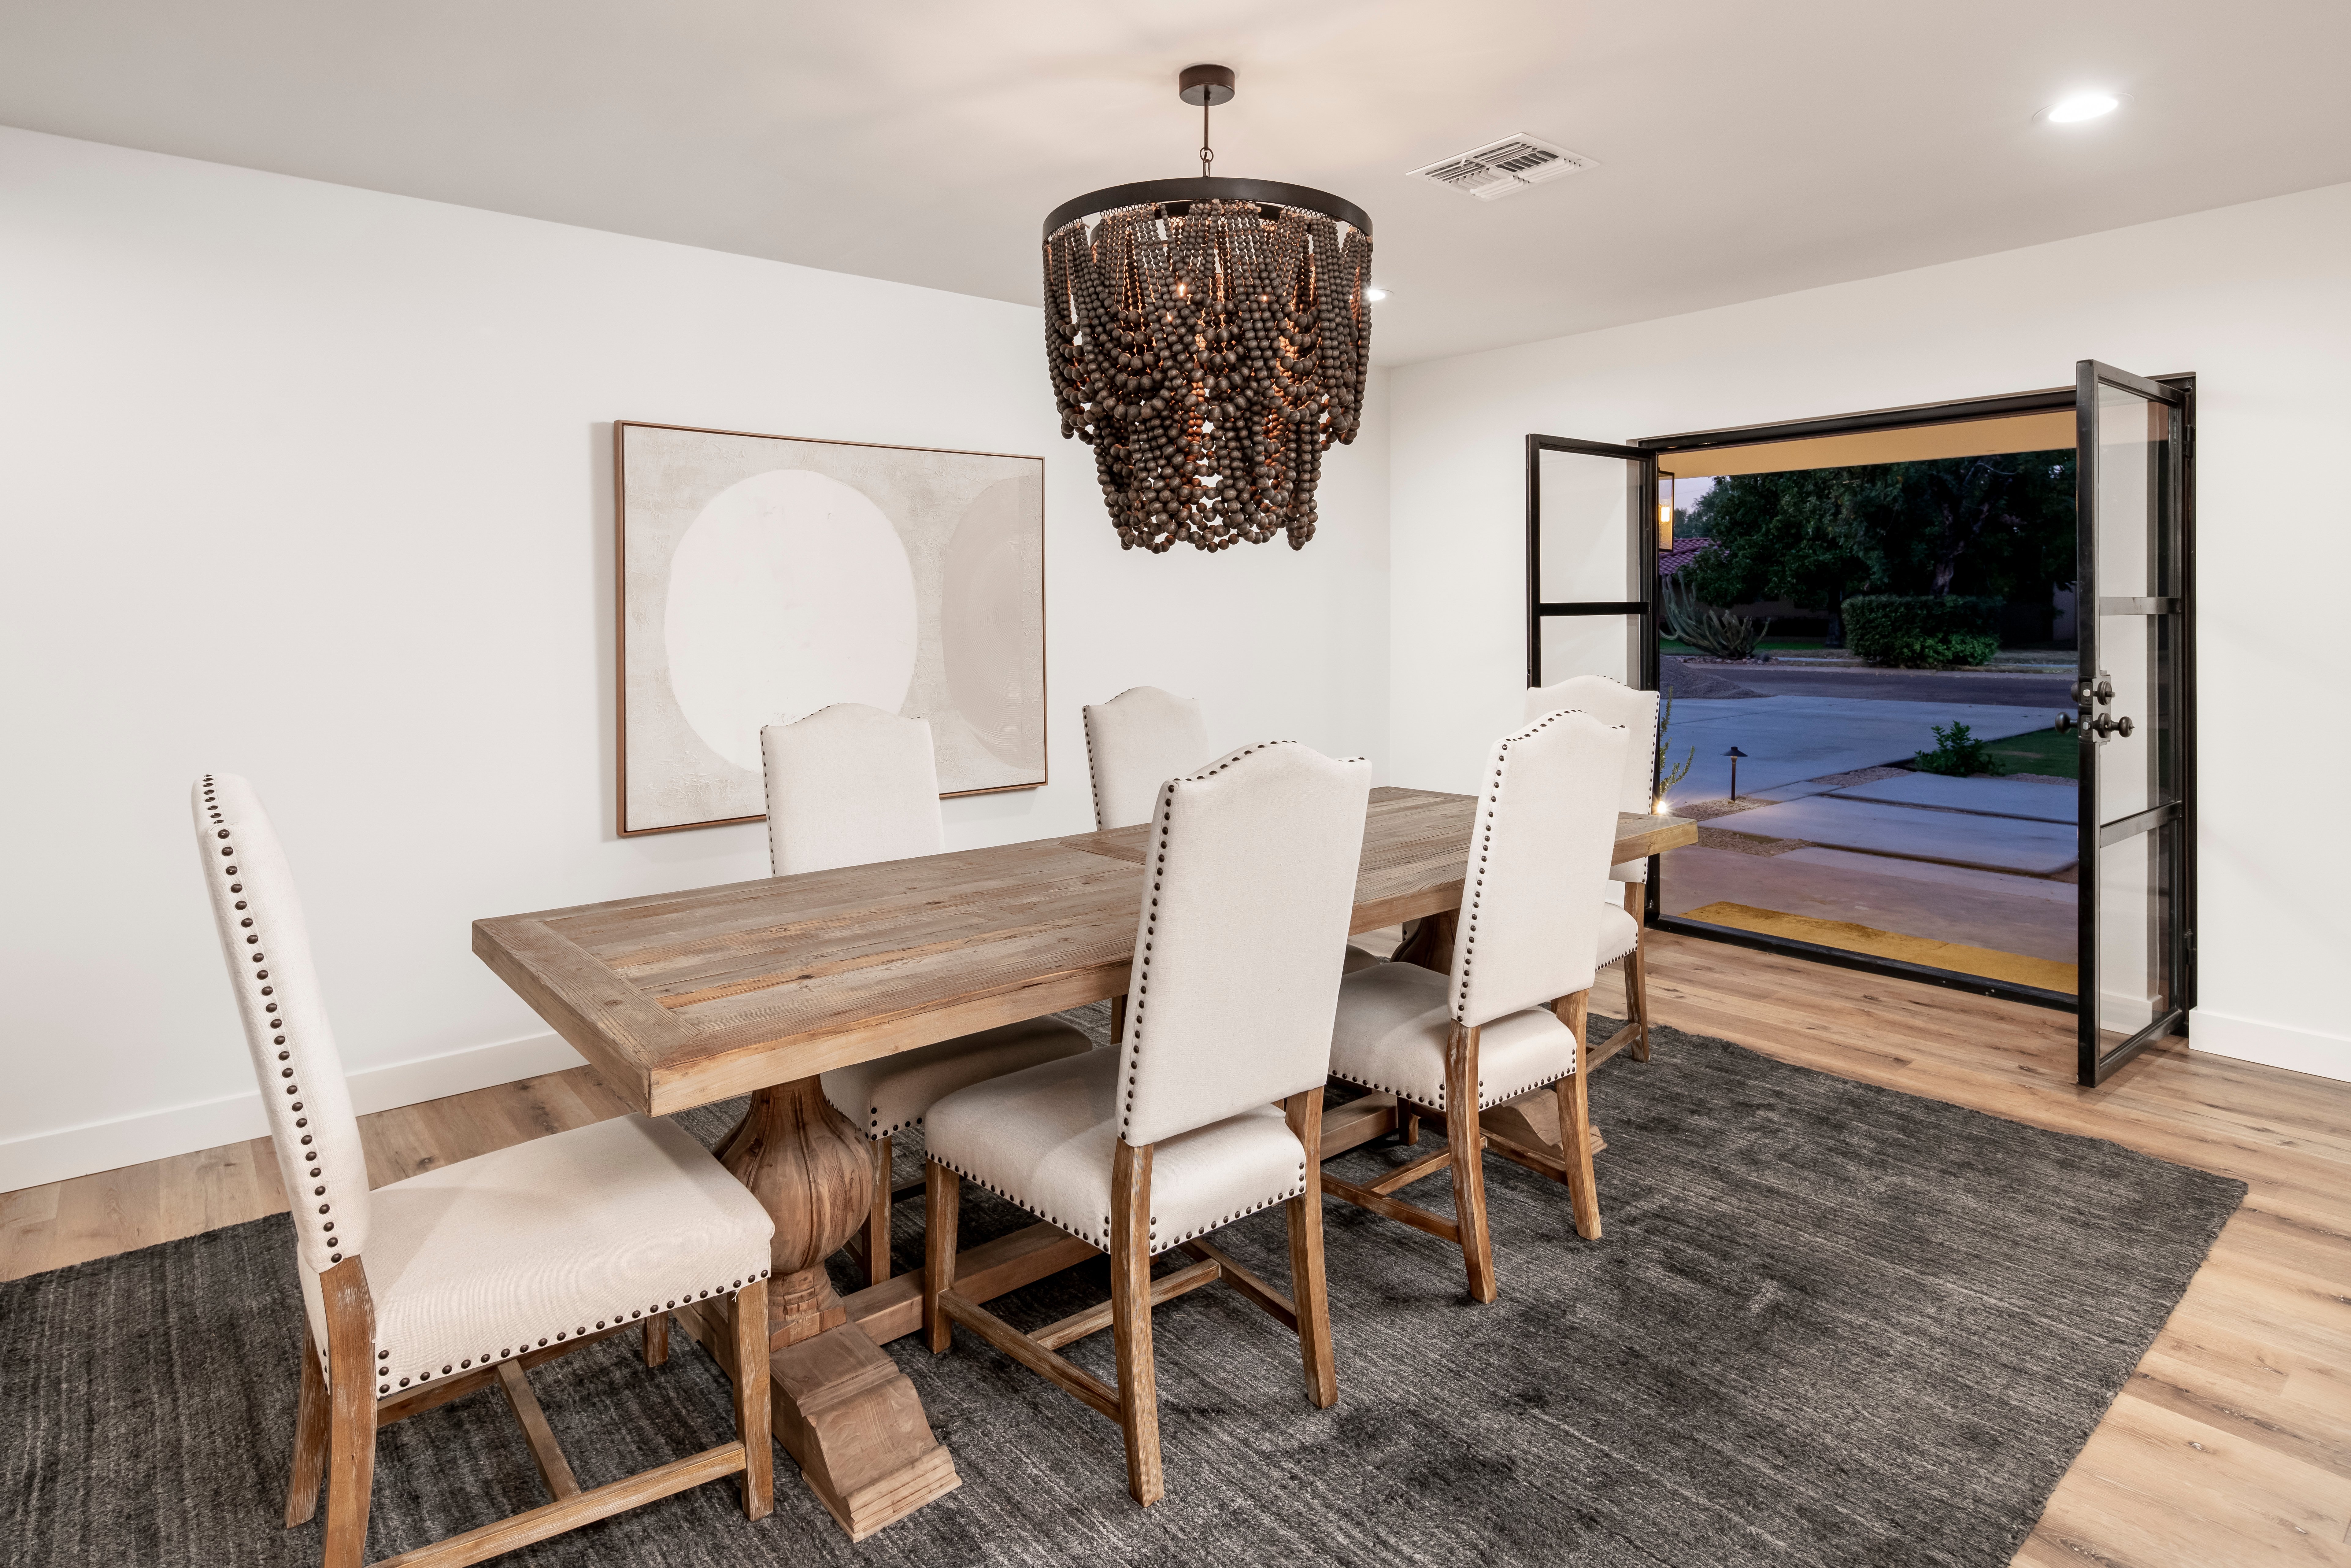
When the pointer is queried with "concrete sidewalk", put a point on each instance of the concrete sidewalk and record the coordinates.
(1790, 740)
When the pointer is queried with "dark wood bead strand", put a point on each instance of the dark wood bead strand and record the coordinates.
(1208, 352)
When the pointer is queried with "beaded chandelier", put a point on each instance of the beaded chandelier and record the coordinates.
(1209, 337)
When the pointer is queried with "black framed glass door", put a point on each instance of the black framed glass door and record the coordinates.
(2132, 696)
(1591, 561)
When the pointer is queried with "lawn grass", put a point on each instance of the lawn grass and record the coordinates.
(2041, 751)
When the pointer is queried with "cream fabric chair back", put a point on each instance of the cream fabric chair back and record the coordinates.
(267, 949)
(1529, 933)
(1242, 937)
(850, 785)
(1136, 742)
(1613, 701)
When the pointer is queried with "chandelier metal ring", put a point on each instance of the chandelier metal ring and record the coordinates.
(1216, 188)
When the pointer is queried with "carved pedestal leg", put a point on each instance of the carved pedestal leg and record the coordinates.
(842, 1408)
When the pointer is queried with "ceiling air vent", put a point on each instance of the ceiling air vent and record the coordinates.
(1501, 168)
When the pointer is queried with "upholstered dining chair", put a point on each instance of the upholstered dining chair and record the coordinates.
(1613, 701)
(1509, 1018)
(852, 785)
(469, 1275)
(1136, 741)
(1212, 1107)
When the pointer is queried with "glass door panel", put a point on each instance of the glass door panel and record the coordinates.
(1589, 550)
(2130, 695)
(1590, 562)
(1591, 645)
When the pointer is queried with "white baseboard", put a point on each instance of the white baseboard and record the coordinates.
(41, 1157)
(2270, 1044)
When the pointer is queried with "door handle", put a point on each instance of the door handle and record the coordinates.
(2064, 722)
(2084, 692)
(2106, 724)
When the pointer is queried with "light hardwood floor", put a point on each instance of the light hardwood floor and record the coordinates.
(2231, 1443)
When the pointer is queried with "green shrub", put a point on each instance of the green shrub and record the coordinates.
(1957, 753)
(1922, 631)
(1938, 650)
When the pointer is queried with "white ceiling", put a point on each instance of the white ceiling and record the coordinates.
(1746, 149)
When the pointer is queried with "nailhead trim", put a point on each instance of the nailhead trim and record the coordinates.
(1093, 774)
(1099, 1239)
(1131, 1049)
(526, 1344)
(1466, 938)
(270, 1009)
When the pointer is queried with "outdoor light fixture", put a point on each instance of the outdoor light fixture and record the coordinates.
(1209, 337)
(1734, 754)
(2081, 107)
(1376, 295)
(1665, 511)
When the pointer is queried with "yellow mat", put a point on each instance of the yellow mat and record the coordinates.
(1990, 962)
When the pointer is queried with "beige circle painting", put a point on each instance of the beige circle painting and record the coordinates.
(991, 622)
(790, 591)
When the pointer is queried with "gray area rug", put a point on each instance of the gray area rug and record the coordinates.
(1829, 1323)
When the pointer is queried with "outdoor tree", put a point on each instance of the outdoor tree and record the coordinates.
(1998, 525)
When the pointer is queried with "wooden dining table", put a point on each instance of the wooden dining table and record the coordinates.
(683, 998)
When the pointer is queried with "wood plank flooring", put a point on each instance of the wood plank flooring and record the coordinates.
(2231, 1443)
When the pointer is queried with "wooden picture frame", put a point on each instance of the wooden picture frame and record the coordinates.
(759, 578)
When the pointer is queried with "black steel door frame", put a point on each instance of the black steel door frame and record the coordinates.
(2174, 688)
(1641, 517)
(1660, 451)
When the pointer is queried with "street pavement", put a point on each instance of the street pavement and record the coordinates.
(1899, 685)
(1788, 739)
(1955, 838)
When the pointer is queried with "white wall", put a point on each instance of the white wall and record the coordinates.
(2255, 299)
(313, 484)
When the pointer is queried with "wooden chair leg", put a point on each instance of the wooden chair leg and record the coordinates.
(1468, 1150)
(657, 1340)
(1636, 967)
(1129, 1304)
(1575, 1121)
(350, 1411)
(1308, 1296)
(309, 1436)
(753, 1421)
(1408, 1123)
(877, 1219)
(942, 1211)
(1118, 1019)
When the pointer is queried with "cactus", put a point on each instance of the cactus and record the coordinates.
(1665, 782)
(1720, 632)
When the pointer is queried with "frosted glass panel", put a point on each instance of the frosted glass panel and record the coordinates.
(1586, 540)
(1591, 645)
(2134, 963)
(2134, 575)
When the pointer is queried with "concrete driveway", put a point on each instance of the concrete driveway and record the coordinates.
(1789, 739)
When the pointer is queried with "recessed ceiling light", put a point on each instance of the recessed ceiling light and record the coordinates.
(2080, 107)
(1376, 295)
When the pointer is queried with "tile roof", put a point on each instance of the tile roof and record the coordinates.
(1684, 551)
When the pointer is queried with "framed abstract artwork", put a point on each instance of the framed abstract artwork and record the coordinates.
(764, 577)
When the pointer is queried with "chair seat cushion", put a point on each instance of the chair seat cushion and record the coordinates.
(1045, 1138)
(549, 1240)
(1619, 934)
(1391, 1031)
(892, 1093)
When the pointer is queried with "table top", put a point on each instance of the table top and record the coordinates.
(681, 998)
